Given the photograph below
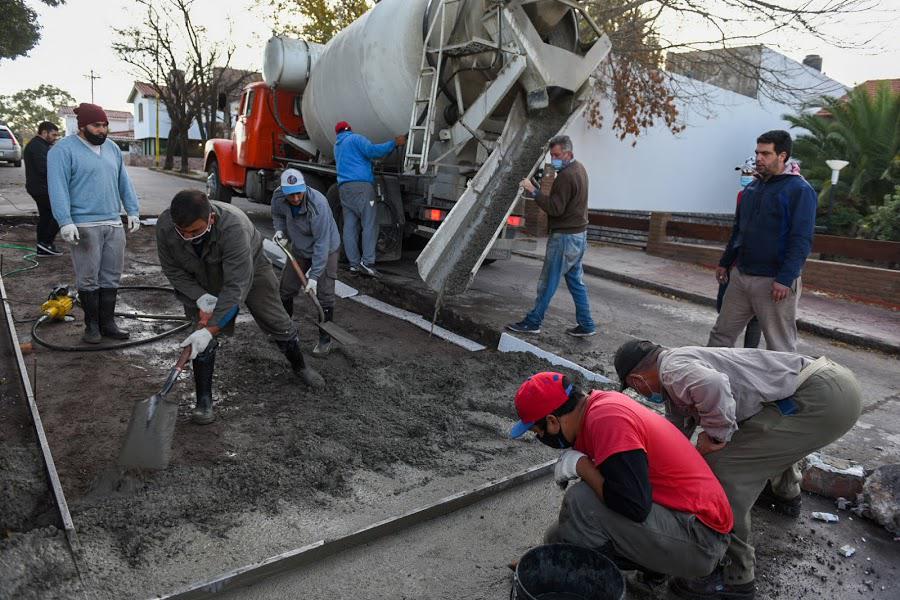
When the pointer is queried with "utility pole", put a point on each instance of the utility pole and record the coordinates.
(92, 77)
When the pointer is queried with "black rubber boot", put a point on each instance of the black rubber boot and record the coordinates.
(108, 327)
(785, 506)
(292, 352)
(288, 302)
(203, 367)
(90, 304)
(323, 348)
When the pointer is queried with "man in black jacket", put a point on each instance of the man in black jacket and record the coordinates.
(35, 156)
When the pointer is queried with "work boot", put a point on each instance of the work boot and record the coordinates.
(323, 348)
(203, 367)
(288, 302)
(648, 577)
(711, 587)
(108, 327)
(292, 352)
(90, 304)
(785, 506)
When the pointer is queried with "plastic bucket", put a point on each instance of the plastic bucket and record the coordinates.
(566, 572)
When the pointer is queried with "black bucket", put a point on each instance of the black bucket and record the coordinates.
(566, 572)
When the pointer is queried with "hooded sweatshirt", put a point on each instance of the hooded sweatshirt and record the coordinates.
(354, 154)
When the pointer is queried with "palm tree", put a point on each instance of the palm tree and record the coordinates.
(862, 128)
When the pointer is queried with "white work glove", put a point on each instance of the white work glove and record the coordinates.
(198, 341)
(69, 233)
(134, 223)
(207, 303)
(278, 237)
(565, 466)
(312, 287)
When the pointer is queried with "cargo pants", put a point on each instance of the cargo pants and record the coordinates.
(768, 444)
(99, 257)
(290, 283)
(668, 541)
(748, 296)
(360, 217)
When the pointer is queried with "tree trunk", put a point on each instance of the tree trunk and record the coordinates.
(170, 149)
(183, 142)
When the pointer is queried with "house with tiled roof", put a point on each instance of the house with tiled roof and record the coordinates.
(121, 128)
(871, 87)
(145, 115)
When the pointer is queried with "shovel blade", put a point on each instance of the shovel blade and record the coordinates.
(148, 440)
(343, 336)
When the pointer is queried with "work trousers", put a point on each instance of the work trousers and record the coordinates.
(752, 333)
(290, 283)
(359, 212)
(748, 296)
(768, 444)
(99, 257)
(264, 304)
(47, 227)
(668, 541)
(563, 258)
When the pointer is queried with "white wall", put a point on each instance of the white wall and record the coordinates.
(70, 126)
(692, 171)
(147, 128)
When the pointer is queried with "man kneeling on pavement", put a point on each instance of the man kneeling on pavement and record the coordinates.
(646, 498)
(212, 255)
(302, 217)
(761, 412)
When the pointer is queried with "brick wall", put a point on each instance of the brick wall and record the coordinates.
(143, 160)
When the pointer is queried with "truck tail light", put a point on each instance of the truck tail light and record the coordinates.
(515, 221)
(433, 214)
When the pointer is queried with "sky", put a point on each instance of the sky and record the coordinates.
(76, 38)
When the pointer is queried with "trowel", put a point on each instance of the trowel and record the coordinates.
(148, 441)
(335, 331)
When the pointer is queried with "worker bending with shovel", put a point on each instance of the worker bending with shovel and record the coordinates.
(646, 499)
(761, 412)
(212, 255)
(302, 218)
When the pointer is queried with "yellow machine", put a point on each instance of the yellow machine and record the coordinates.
(58, 304)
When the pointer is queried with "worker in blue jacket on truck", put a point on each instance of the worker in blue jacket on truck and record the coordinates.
(770, 241)
(354, 154)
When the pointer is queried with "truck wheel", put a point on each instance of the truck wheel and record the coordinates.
(214, 187)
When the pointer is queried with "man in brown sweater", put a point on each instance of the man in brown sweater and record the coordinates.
(567, 213)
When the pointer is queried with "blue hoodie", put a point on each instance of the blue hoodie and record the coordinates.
(773, 228)
(354, 154)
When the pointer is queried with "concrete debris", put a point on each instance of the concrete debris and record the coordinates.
(882, 497)
(843, 504)
(847, 550)
(832, 477)
(824, 516)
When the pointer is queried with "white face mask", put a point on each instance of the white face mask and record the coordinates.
(195, 238)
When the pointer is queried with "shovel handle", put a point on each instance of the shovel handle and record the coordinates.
(302, 278)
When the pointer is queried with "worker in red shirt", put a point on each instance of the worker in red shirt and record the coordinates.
(646, 498)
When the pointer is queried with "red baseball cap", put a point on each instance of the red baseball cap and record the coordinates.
(539, 396)
(342, 126)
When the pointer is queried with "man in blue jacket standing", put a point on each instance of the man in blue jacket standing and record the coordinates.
(88, 187)
(354, 154)
(770, 240)
(301, 215)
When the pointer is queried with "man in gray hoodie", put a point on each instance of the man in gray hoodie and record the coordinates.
(302, 215)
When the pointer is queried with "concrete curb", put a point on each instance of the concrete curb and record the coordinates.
(848, 337)
(179, 174)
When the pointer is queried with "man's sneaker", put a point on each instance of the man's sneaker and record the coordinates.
(47, 250)
(367, 270)
(523, 327)
(785, 506)
(580, 331)
(711, 587)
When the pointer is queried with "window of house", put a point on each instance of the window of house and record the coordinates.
(140, 112)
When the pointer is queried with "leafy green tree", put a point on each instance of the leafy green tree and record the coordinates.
(24, 110)
(884, 222)
(862, 128)
(319, 20)
(19, 27)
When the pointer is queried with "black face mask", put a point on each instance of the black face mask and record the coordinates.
(557, 441)
(96, 140)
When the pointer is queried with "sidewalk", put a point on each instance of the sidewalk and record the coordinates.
(864, 325)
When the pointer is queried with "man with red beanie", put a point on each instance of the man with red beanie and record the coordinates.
(353, 155)
(646, 498)
(88, 187)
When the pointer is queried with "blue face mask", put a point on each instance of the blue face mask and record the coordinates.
(746, 180)
(655, 398)
(559, 164)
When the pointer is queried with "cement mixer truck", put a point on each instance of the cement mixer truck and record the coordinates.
(479, 86)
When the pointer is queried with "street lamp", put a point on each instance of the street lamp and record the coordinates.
(835, 166)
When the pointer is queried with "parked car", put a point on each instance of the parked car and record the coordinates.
(10, 149)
